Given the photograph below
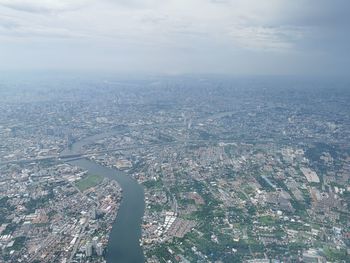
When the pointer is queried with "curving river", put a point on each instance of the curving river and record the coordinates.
(123, 245)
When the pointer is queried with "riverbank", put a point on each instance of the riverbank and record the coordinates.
(123, 245)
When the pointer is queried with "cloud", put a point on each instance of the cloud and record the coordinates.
(43, 6)
(260, 38)
(7, 23)
(198, 33)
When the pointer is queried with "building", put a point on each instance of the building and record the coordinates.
(88, 249)
(99, 249)
(94, 242)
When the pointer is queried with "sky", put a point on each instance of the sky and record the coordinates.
(236, 37)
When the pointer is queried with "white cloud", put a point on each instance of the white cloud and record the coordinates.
(266, 38)
(163, 30)
(244, 24)
(42, 6)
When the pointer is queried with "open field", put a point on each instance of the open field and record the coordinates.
(88, 182)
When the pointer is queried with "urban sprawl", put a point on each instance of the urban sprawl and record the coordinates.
(233, 170)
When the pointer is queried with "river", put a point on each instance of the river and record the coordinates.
(123, 245)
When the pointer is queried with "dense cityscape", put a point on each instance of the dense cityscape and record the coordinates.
(231, 169)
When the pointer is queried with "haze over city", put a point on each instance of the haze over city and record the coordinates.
(174, 131)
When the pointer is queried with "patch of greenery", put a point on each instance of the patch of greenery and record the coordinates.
(88, 182)
(156, 207)
(335, 255)
(9, 229)
(34, 204)
(242, 196)
(153, 184)
(19, 243)
(264, 184)
(267, 220)
(4, 208)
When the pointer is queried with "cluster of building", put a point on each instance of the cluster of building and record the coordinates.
(232, 171)
(47, 217)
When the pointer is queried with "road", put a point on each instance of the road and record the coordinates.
(85, 155)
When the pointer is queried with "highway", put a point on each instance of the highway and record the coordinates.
(85, 155)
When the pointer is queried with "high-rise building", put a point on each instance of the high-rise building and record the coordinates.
(93, 213)
(99, 249)
(88, 249)
(94, 242)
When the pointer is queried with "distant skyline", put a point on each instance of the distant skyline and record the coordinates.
(249, 37)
